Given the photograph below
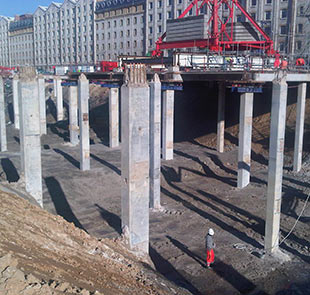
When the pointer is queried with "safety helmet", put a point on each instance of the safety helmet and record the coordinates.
(211, 232)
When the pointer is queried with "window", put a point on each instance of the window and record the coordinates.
(283, 30)
(253, 15)
(151, 30)
(151, 5)
(268, 15)
(282, 46)
(159, 3)
(239, 18)
(253, 2)
(298, 45)
(283, 13)
(150, 17)
(159, 16)
(300, 28)
(169, 14)
(268, 1)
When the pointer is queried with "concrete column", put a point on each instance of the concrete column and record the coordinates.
(15, 101)
(275, 167)
(41, 89)
(55, 86)
(155, 136)
(114, 117)
(30, 132)
(73, 115)
(168, 111)
(245, 139)
(135, 158)
(299, 131)
(83, 89)
(59, 101)
(221, 118)
(3, 142)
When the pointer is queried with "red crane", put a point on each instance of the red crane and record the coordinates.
(222, 29)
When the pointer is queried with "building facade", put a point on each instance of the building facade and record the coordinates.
(5, 59)
(64, 34)
(21, 41)
(120, 29)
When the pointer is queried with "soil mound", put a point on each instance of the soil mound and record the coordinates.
(43, 254)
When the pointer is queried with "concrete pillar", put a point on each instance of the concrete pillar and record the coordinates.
(73, 115)
(41, 89)
(83, 89)
(3, 142)
(135, 158)
(299, 131)
(275, 167)
(15, 101)
(55, 86)
(221, 117)
(30, 132)
(245, 139)
(59, 101)
(155, 136)
(168, 112)
(114, 117)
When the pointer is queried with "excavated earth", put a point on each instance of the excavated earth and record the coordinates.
(75, 246)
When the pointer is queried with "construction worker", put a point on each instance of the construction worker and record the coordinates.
(210, 246)
(300, 62)
(277, 60)
(284, 64)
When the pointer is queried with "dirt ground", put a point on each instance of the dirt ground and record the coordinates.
(198, 191)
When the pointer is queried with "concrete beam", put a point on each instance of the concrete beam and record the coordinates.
(135, 106)
(291, 77)
(245, 139)
(41, 89)
(15, 101)
(299, 130)
(73, 115)
(168, 121)
(114, 117)
(83, 86)
(3, 141)
(155, 136)
(30, 132)
(221, 117)
(275, 167)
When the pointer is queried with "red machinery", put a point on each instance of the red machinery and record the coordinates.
(221, 35)
(107, 66)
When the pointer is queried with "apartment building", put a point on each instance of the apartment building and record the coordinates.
(120, 29)
(21, 41)
(4, 41)
(64, 34)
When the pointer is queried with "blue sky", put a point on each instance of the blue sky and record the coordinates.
(13, 7)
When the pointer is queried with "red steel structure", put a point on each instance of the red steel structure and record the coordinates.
(221, 38)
